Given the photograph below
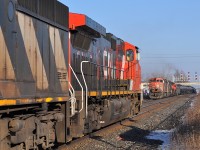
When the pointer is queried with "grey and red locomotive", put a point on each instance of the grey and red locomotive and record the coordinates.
(160, 87)
(61, 75)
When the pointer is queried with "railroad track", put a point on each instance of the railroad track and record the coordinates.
(161, 104)
(147, 110)
(148, 102)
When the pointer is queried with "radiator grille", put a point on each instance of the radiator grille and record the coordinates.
(50, 9)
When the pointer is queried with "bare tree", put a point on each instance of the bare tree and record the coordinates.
(168, 72)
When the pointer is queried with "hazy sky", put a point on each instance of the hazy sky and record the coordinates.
(166, 31)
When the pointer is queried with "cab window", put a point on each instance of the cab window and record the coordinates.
(153, 80)
(129, 55)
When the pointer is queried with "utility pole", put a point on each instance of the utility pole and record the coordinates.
(188, 77)
(196, 76)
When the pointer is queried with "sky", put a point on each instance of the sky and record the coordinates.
(166, 31)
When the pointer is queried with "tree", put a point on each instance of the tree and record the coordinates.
(168, 72)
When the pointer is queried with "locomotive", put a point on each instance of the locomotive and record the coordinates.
(61, 75)
(160, 87)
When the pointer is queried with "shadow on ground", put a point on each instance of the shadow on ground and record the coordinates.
(138, 137)
(135, 137)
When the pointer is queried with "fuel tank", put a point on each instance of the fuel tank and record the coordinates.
(115, 110)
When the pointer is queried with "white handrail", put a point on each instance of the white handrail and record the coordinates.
(70, 92)
(80, 86)
(86, 88)
(73, 91)
(73, 100)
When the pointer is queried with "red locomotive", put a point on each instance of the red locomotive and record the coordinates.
(61, 75)
(160, 87)
(110, 70)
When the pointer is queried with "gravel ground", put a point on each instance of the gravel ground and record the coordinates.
(133, 136)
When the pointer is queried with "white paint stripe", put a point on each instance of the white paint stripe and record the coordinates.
(2, 55)
(123, 64)
(105, 56)
(6, 70)
(33, 50)
(59, 55)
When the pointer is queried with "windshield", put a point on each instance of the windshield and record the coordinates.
(156, 80)
(129, 55)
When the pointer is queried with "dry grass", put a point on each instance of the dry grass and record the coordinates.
(187, 135)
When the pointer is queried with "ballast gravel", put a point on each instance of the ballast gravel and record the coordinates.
(133, 135)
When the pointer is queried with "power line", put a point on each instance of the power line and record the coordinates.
(179, 54)
(173, 63)
(159, 57)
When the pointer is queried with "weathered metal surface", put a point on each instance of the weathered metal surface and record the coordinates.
(53, 11)
(4, 134)
(115, 110)
(33, 52)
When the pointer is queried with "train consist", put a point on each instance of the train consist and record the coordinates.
(160, 87)
(61, 75)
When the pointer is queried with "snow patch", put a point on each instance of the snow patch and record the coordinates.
(163, 135)
(192, 103)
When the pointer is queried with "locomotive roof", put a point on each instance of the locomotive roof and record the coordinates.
(81, 21)
(159, 78)
(51, 11)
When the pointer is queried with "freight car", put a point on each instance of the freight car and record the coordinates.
(182, 89)
(61, 75)
(160, 87)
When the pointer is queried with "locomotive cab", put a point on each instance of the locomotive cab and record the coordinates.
(133, 54)
(132, 67)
